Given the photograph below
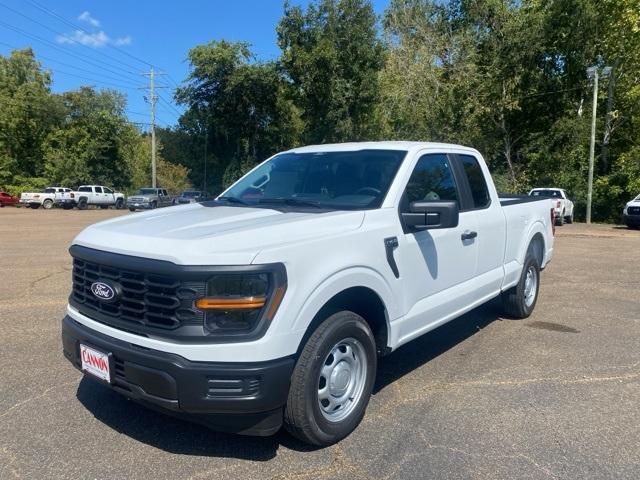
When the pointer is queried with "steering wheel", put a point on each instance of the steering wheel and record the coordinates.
(364, 190)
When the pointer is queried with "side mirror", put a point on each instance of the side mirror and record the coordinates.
(431, 215)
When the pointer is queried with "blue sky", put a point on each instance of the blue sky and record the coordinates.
(109, 44)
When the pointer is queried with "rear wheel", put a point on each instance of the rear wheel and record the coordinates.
(82, 204)
(560, 220)
(67, 206)
(332, 380)
(519, 301)
(569, 219)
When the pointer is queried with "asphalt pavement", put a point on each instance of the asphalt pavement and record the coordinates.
(483, 397)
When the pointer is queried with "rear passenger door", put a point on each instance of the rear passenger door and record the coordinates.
(436, 266)
(491, 225)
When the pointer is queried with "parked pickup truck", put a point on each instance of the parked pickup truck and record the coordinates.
(86, 195)
(190, 196)
(45, 199)
(272, 303)
(149, 198)
(562, 206)
(631, 213)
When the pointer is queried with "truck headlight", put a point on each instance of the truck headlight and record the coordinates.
(243, 303)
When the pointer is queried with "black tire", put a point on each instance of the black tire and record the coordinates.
(104, 207)
(560, 220)
(569, 219)
(513, 300)
(119, 204)
(47, 204)
(153, 205)
(67, 206)
(35, 206)
(82, 204)
(303, 416)
(131, 209)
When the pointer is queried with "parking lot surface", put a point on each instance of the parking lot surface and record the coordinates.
(554, 396)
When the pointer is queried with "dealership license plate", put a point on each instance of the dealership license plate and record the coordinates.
(95, 363)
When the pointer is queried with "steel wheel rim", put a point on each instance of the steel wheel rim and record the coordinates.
(530, 286)
(342, 379)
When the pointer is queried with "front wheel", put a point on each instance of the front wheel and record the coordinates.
(519, 301)
(35, 206)
(119, 204)
(569, 219)
(47, 204)
(332, 380)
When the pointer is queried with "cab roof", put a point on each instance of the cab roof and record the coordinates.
(383, 145)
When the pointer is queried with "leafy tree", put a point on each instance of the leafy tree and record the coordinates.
(332, 55)
(236, 105)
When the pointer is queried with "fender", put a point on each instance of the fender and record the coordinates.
(339, 281)
(536, 227)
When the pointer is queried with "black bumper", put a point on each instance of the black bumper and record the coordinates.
(631, 220)
(242, 398)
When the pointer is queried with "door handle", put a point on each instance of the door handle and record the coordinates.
(468, 235)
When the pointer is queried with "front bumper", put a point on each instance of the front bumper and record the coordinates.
(138, 204)
(631, 220)
(244, 398)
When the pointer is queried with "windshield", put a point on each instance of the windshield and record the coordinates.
(190, 194)
(333, 180)
(547, 193)
(146, 191)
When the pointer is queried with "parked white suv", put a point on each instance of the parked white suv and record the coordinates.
(97, 195)
(45, 199)
(272, 303)
(562, 205)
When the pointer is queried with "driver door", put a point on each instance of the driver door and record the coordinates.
(437, 265)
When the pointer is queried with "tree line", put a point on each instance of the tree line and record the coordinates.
(507, 77)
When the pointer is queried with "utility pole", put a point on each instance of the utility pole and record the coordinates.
(593, 73)
(152, 99)
(592, 146)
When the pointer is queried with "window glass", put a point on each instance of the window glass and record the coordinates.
(333, 180)
(107, 190)
(164, 192)
(477, 183)
(85, 189)
(432, 180)
(98, 189)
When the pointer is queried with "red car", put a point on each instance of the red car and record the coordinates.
(6, 199)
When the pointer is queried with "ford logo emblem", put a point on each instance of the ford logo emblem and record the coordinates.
(103, 291)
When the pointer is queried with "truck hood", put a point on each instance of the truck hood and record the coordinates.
(221, 235)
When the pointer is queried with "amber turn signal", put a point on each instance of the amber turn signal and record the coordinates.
(239, 303)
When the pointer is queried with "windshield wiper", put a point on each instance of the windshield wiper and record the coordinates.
(233, 200)
(294, 202)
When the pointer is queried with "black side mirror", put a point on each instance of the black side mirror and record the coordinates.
(431, 215)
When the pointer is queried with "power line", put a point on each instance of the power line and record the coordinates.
(64, 20)
(69, 39)
(92, 72)
(96, 80)
(56, 47)
(170, 105)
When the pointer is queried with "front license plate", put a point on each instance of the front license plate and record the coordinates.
(96, 363)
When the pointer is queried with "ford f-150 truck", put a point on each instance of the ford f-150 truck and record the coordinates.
(272, 303)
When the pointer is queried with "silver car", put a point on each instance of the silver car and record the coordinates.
(148, 199)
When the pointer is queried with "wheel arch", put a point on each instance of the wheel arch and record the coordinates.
(365, 294)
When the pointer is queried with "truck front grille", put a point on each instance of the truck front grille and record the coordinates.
(147, 302)
(633, 210)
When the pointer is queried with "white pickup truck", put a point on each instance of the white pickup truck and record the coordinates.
(45, 199)
(562, 205)
(272, 304)
(86, 195)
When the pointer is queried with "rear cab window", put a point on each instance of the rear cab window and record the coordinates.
(85, 189)
(476, 181)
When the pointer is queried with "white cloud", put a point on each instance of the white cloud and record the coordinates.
(86, 17)
(96, 40)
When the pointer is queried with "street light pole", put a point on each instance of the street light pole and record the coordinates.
(592, 146)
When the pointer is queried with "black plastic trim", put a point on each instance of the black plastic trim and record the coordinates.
(173, 383)
(186, 333)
